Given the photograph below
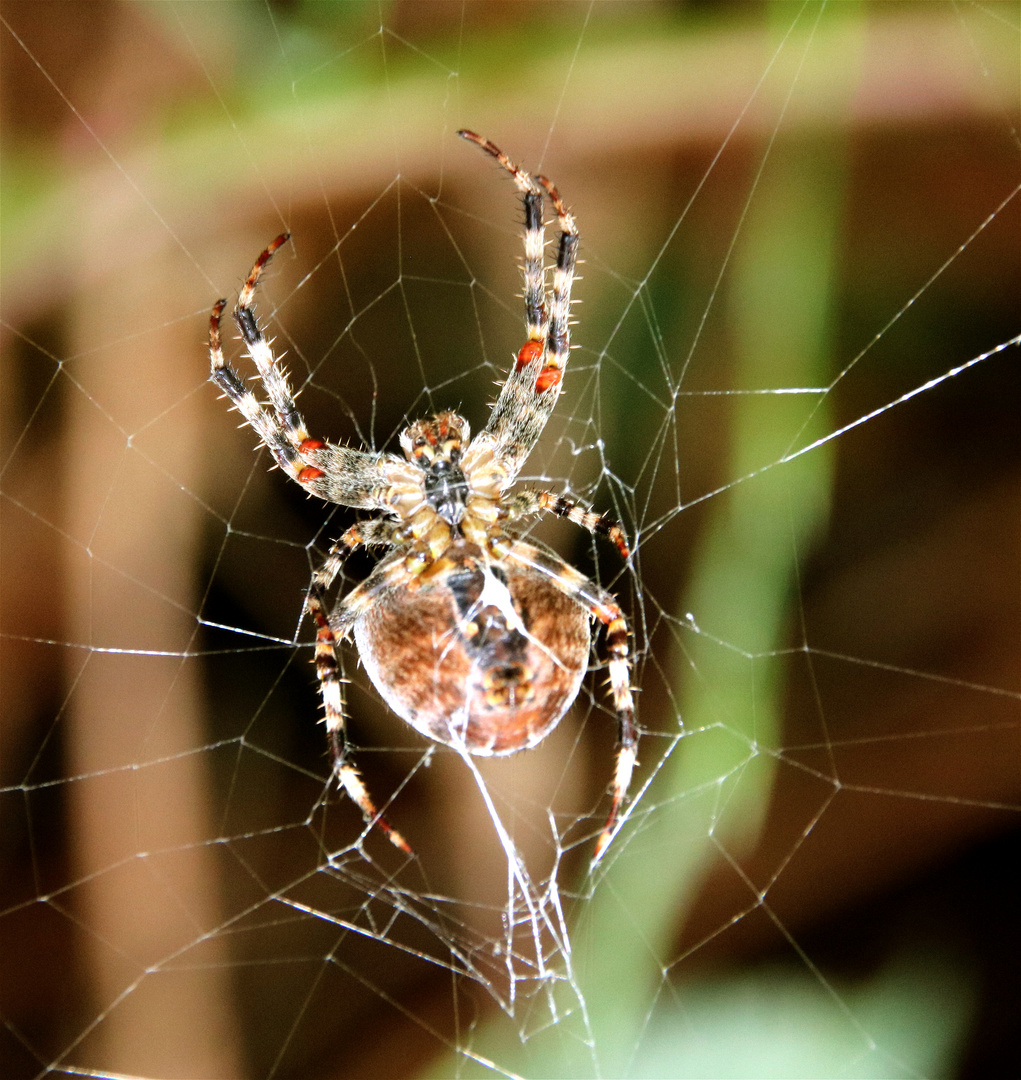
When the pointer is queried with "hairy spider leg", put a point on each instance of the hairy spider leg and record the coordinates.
(535, 288)
(366, 479)
(274, 379)
(603, 607)
(532, 502)
(274, 437)
(558, 342)
(313, 463)
(328, 671)
(282, 431)
(530, 391)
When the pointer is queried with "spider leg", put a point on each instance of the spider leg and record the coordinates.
(530, 392)
(604, 607)
(262, 421)
(282, 430)
(532, 502)
(371, 533)
(331, 683)
(558, 342)
(535, 291)
(274, 379)
(334, 473)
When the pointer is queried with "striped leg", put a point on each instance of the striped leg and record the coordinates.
(558, 342)
(535, 288)
(602, 606)
(335, 473)
(274, 379)
(532, 387)
(282, 430)
(532, 502)
(331, 683)
(285, 452)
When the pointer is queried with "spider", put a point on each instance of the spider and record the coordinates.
(475, 637)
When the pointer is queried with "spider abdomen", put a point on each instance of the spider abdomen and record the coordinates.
(484, 657)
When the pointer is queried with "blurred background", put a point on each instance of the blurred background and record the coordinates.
(798, 221)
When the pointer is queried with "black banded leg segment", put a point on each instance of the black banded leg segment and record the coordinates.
(270, 433)
(331, 687)
(535, 242)
(532, 502)
(531, 193)
(532, 387)
(627, 739)
(604, 607)
(281, 427)
(313, 463)
(558, 342)
(273, 378)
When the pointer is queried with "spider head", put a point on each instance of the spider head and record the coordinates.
(435, 446)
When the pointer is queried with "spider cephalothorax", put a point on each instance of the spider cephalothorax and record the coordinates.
(472, 635)
(435, 446)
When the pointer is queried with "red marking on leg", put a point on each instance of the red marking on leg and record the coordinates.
(554, 197)
(548, 379)
(268, 253)
(308, 445)
(264, 258)
(309, 474)
(529, 353)
(395, 837)
(214, 329)
(616, 535)
(351, 782)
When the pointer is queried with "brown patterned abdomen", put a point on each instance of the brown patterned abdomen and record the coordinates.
(460, 669)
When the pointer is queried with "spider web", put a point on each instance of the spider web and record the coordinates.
(794, 383)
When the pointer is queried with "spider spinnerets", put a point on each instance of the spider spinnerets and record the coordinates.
(475, 637)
